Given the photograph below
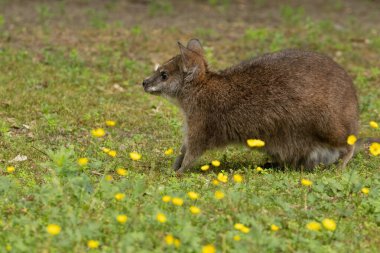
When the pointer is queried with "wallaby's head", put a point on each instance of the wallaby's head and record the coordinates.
(187, 68)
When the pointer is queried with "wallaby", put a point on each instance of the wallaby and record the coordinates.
(302, 104)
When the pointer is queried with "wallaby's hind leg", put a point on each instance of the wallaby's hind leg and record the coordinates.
(347, 157)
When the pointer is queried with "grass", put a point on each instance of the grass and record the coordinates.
(58, 86)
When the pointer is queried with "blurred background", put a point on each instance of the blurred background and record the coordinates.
(147, 31)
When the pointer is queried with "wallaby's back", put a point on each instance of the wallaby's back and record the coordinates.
(300, 103)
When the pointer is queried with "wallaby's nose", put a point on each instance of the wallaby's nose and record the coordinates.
(144, 83)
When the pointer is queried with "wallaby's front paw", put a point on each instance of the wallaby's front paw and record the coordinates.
(178, 162)
(180, 171)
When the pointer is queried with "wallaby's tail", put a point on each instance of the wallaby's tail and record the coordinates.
(364, 143)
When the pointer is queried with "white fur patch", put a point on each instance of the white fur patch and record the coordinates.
(152, 89)
(156, 66)
(324, 155)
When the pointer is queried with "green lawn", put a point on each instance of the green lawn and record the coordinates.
(68, 66)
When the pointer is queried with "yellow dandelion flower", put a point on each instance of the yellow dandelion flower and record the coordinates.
(135, 156)
(98, 132)
(238, 178)
(83, 161)
(259, 170)
(375, 148)
(108, 178)
(373, 124)
(8, 247)
(255, 143)
(215, 163)
(306, 182)
(241, 227)
(274, 227)
(238, 226)
(215, 182)
(10, 169)
(112, 153)
(205, 167)
(222, 178)
(313, 226)
(245, 229)
(166, 198)
(121, 171)
(193, 195)
(169, 239)
(208, 249)
(119, 196)
(177, 243)
(237, 238)
(161, 218)
(329, 224)
(106, 150)
(92, 244)
(110, 123)
(53, 229)
(177, 201)
(169, 151)
(122, 218)
(219, 195)
(365, 190)
(351, 139)
(195, 210)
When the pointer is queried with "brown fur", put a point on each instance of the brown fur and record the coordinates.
(302, 104)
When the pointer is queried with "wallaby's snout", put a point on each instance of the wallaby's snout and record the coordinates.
(151, 85)
(144, 83)
(147, 84)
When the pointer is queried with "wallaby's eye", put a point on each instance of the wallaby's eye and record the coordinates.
(164, 75)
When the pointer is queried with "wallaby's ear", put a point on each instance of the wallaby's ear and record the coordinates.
(191, 59)
(185, 55)
(195, 45)
(182, 49)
